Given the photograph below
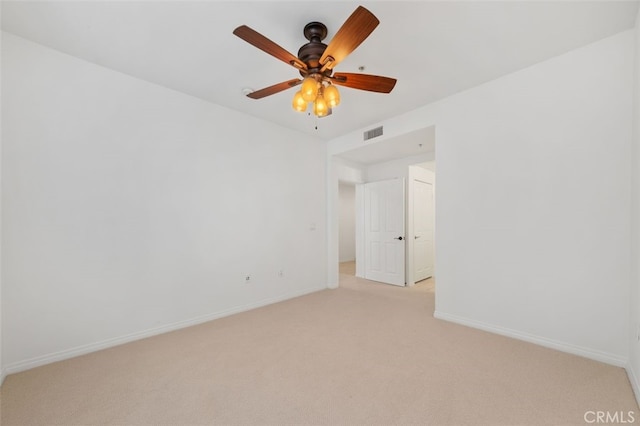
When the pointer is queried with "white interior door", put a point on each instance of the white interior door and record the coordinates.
(384, 231)
(423, 224)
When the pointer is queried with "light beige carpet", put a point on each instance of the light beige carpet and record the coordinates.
(364, 354)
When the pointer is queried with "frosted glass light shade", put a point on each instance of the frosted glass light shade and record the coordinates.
(299, 104)
(320, 107)
(309, 89)
(331, 95)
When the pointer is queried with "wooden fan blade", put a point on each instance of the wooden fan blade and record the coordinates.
(267, 91)
(353, 32)
(261, 42)
(372, 83)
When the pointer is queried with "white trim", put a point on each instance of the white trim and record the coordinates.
(531, 338)
(635, 384)
(93, 347)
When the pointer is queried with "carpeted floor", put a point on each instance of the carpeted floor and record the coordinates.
(364, 354)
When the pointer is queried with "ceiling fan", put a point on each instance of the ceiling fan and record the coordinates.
(316, 60)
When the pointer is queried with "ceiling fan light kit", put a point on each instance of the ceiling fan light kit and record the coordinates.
(316, 60)
(314, 91)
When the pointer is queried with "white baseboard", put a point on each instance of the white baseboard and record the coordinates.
(635, 384)
(28, 364)
(542, 341)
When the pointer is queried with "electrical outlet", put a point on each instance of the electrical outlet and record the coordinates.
(281, 273)
(247, 279)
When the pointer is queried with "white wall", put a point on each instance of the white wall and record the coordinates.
(533, 201)
(347, 247)
(395, 168)
(347, 171)
(633, 367)
(429, 165)
(2, 370)
(129, 209)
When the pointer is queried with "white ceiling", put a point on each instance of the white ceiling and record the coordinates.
(434, 49)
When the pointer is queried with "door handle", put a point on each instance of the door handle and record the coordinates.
(398, 238)
(416, 237)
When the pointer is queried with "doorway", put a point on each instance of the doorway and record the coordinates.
(381, 160)
(347, 227)
(421, 222)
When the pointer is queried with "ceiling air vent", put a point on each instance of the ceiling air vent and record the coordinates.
(373, 133)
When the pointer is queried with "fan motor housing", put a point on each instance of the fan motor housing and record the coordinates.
(311, 52)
